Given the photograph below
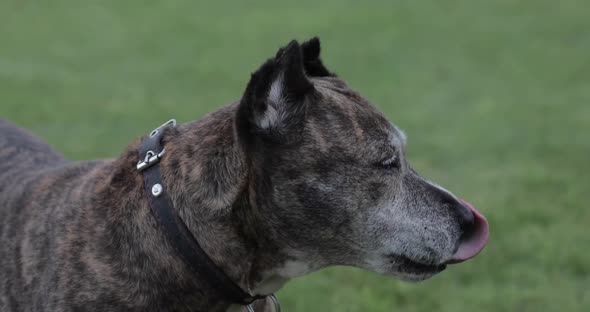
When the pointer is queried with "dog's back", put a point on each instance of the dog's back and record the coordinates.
(22, 152)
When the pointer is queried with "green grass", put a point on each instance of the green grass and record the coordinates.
(494, 96)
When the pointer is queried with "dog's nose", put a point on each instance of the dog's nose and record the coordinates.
(463, 214)
(466, 220)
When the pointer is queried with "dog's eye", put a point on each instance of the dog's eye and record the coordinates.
(390, 163)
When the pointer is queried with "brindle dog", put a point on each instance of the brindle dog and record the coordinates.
(300, 174)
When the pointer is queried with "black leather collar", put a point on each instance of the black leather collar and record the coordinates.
(175, 229)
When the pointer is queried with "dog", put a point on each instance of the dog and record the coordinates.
(300, 174)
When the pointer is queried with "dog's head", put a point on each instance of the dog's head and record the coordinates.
(330, 178)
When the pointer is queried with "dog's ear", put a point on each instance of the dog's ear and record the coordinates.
(274, 103)
(311, 59)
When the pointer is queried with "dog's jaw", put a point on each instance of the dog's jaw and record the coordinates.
(270, 285)
(288, 270)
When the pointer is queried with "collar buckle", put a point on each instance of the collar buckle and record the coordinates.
(153, 157)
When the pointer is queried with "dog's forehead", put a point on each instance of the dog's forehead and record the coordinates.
(367, 122)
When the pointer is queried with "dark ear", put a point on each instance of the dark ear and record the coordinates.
(311, 59)
(274, 105)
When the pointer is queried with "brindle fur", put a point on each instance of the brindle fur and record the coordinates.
(276, 185)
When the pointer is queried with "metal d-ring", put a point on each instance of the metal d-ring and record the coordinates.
(275, 301)
(151, 158)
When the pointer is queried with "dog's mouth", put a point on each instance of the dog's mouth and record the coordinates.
(413, 267)
(409, 267)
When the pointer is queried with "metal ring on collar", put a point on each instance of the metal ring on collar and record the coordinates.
(275, 301)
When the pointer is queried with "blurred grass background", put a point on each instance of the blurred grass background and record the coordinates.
(494, 96)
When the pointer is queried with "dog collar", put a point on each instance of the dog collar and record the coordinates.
(176, 231)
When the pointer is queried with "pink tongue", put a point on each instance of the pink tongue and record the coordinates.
(471, 246)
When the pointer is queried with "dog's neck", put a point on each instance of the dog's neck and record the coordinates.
(207, 175)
